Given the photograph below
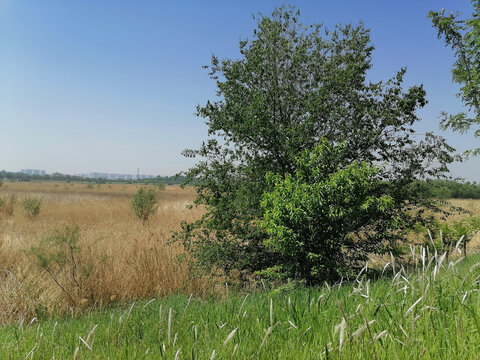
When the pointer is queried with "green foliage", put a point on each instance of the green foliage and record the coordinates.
(440, 191)
(32, 206)
(144, 203)
(326, 218)
(90, 186)
(445, 236)
(57, 255)
(291, 86)
(161, 186)
(416, 315)
(443, 189)
(463, 36)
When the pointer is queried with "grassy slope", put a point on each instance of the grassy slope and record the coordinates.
(423, 315)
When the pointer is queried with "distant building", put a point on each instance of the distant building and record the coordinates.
(108, 176)
(32, 171)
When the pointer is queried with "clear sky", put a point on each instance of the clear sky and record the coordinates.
(112, 85)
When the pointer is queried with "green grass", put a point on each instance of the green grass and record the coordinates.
(431, 314)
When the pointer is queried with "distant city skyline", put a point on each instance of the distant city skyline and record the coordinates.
(113, 85)
(108, 176)
(91, 174)
(33, 171)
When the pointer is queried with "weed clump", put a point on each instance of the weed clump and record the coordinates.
(32, 206)
(57, 255)
(144, 203)
(8, 204)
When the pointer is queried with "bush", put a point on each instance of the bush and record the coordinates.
(32, 206)
(57, 255)
(144, 203)
(326, 218)
(444, 237)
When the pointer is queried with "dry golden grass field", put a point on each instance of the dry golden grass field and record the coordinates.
(474, 207)
(117, 259)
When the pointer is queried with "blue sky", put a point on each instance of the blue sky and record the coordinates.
(112, 85)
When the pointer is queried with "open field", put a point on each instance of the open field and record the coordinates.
(118, 258)
(125, 260)
(430, 312)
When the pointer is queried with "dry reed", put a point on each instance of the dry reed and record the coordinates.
(126, 259)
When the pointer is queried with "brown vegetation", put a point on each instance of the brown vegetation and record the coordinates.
(473, 207)
(118, 258)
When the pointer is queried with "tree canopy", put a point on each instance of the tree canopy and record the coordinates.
(293, 87)
(463, 36)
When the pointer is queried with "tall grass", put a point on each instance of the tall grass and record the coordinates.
(430, 313)
(123, 259)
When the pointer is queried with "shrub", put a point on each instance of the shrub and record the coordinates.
(144, 203)
(57, 255)
(32, 206)
(161, 186)
(325, 219)
(89, 186)
(444, 237)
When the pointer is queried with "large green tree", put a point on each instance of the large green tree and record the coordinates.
(292, 86)
(463, 36)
